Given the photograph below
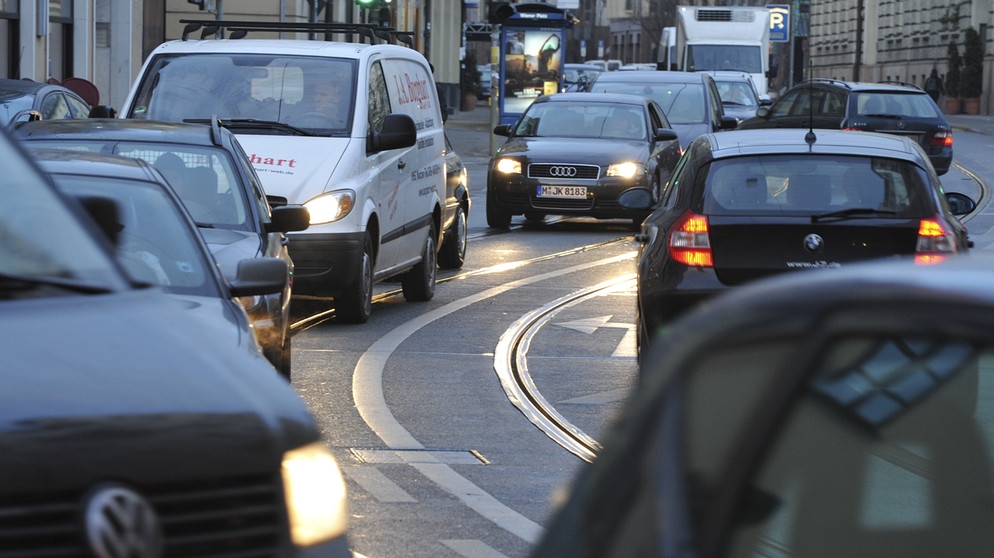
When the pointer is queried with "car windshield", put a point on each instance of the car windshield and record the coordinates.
(40, 240)
(738, 93)
(738, 58)
(155, 245)
(909, 105)
(683, 103)
(814, 185)
(309, 93)
(583, 120)
(203, 177)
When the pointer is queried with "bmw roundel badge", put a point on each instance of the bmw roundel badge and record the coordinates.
(813, 242)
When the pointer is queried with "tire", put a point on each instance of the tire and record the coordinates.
(355, 304)
(418, 284)
(496, 216)
(453, 251)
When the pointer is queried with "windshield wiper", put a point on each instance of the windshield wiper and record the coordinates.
(249, 123)
(851, 212)
(13, 283)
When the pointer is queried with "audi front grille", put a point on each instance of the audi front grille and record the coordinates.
(564, 171)
(210, 519)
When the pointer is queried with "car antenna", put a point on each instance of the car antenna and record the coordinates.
(810, 137)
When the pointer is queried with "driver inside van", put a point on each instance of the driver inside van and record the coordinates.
(324, 103)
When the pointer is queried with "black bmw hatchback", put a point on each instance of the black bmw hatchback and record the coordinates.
(749, 204)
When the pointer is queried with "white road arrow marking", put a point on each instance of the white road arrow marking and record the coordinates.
(626, 348)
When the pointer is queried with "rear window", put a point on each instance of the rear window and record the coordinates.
(683, 103)
(910, 105)
(805, 185)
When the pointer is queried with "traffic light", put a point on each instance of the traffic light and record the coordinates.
(366, 3)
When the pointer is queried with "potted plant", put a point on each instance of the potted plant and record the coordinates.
(953, 80)
(971, 81)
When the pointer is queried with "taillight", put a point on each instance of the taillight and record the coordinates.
(942, 138)
(688, 241)
(935, 242)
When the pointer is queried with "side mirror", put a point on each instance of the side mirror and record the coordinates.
(398, 131)
(728, 123)
(102, 111)
(665, 134)
(503, 130)
(763, 111)
(259, 276)
(289, 218)
(765, 101)
(960, 204)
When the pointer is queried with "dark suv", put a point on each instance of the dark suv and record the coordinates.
(891, 108)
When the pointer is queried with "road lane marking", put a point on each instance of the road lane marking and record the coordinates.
(472, 549)
(367, 392)
(377, 485)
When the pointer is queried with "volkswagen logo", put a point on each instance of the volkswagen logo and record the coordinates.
(562, 172)
(119, 522)
(813, 242)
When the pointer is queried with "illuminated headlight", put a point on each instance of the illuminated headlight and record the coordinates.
(508, 166)
(625, 170)
(330, 207)
(315, 495)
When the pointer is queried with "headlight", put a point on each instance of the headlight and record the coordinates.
(625, 170)
(508, 166)
(315, 495)
(330, 207)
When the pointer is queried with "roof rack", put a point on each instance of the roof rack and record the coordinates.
(239, 29)
(896, 82)
(828, 80)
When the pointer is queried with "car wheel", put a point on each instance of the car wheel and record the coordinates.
(418, 284)
(355, 304)
(496, 216)
(453, 251)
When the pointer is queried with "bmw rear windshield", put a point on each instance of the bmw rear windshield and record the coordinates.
(817, 184)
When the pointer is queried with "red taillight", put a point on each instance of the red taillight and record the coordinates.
(689, 243)
(935, 242)
(942, 138)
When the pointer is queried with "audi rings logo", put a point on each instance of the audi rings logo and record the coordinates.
(119, 522)
(813, 242)
(562, 172)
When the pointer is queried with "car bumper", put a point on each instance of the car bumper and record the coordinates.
(325, 264)
(518, 194)
(666, 294)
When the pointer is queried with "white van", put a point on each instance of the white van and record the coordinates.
(370, 166)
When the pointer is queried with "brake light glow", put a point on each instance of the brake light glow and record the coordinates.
(942, 138)
(689, 242)
(935, 242)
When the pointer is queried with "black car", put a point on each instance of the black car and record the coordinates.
(821, 414)
(128, 427)
(575, 153)
(690, 100)
(22, 100)
(157, 243)
(748, 204)
(207, 167)
(893, 108)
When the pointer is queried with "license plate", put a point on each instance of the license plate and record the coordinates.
(572, 192)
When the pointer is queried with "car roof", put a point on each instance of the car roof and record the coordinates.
(733, 143)
(894, 86)
(24, 85)
(66, 161)
(582, 97)
(659, 76)
(332, 49)
(103, 129)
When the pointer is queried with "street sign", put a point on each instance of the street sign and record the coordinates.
(779, 23)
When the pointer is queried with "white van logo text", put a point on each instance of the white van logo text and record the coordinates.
(271, 162)
(411, 91)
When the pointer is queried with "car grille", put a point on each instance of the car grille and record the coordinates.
(562, 204)
(563, 170)
(215, 518)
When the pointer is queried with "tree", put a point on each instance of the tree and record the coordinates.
(953, 73)
(971, 81)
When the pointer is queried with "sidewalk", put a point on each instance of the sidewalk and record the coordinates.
(980, 124)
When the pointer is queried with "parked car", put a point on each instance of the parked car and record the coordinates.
(575, 153)
(892, 108)
(827, 413)
(455, 223)
(372, 177)
(157, 242)
(739, 97)
(213, 176)
(578, 77)
(22, 100)
(128, 427)
(748, 204)
(689, 99)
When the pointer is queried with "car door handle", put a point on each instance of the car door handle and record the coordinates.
(401, 164)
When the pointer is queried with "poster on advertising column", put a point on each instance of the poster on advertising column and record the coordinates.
(532, 66)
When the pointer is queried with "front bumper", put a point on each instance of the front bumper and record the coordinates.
(325, 264)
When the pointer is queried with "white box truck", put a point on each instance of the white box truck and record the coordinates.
(725, 38)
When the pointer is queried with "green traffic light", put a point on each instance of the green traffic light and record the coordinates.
(365, 3)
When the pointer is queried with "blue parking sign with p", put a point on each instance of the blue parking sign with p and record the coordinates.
(779, 23)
